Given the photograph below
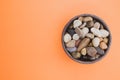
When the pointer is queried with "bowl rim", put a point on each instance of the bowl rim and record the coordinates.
(98, 19)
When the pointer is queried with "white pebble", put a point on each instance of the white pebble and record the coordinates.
(97, 25)
(85, 30)
(96, 32)
(90, 35)
(96, 42)
(77, 23)
(76, 37)
(67, 37)
(104, 33)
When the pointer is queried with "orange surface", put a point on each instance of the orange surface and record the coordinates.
(30, 40)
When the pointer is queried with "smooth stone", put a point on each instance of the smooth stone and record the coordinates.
(76, 23)
(77, 42)
(104, 33)
(96, 42)
(90, 24)
(96, 32)
(97, 56)
(83, 43)
(90, 44)
(76, 55)
(71, 43)
(78, 31)
(80, 18)
(83, 51)
(105, 40)
(85, 30)
(86, 19)
(71, 32)
(97, 25)
(103, 45)
(67, 37)
(90, 35)
(100, 51)
(71, 49)
(76, 36)
(83, 25)
(101, 39)
(91, 51)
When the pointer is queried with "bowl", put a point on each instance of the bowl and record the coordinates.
(95, 18)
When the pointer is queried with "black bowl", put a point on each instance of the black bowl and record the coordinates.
(97, 19)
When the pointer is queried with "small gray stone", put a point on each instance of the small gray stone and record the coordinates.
(71, 49)
(100, 51)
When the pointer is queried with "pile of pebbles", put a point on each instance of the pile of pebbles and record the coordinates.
(86, 38)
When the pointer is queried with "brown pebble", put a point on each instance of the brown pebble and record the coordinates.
(80, 18)
(71, 43)
(86, 19)
(76, 55)
(90, 24)
(101, 39)
(77, 43)
(103, 45)
(101, 26)
(105, 40)
(83, 43)
(91, 51)
(90, 44)
(78, 31)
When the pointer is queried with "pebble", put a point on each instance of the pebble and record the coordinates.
(83, 43)
(96, 42)
(90, 24)
(97, 56)
(104, 33)
(83, 51)
(85, 30)
(80, 18)
(86, 19)
(76, 23)
(101, 39)
(100, 51)
(76, 55)
(83, 25)
(71, 49)
(96, 32)
(91, 51)
(97, 25)
(90, 44)
(90, 35)
(77, 43)
(103, 45)
(71, 43)
(67, 37)
(71, 32)
(76, 37)
(78, 31)
(101, 26)
(105, 40)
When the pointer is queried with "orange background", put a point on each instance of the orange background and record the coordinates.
(30, 40)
